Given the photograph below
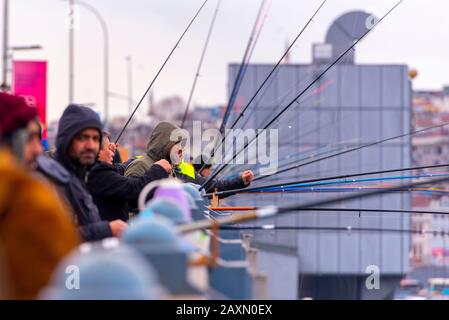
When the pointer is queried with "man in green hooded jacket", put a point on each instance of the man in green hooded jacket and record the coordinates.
(165, 143)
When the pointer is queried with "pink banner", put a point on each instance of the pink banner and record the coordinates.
(30, 81)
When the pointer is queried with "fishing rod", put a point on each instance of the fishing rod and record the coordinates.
(350, 181)
(358, 148)
(311, 187)
(307, 154)
(275, 67)
(345, 176)
(316, 91)
(326, 150)
(287, 142)
(288, 166)
(254, 36)
(255, 33)
(159, 71)
(277, 116)
(203, 54)
(381, 210)
(272, 211)
(358, 210)
(298, 83)
(331, 123)
(263, 82)
(271, 227)
(347, 189)
(314, 152)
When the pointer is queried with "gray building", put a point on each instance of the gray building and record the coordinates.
(351, 105)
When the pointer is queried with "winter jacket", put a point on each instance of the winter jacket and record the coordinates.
(159, 148)
(75, 119)
(36, 231)
(112, 191)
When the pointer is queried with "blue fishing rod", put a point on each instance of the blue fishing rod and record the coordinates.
(349, 229)
(350, 181)
(270, 212)
(346, 189)
(344, 176)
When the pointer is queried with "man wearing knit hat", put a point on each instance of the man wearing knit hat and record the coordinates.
(77, 147)
(35, 231)
(20, 129)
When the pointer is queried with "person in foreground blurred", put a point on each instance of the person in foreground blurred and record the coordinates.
(36, 232)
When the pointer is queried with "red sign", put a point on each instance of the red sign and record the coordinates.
(30, 82)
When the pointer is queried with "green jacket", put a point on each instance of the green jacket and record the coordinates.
(159, 148)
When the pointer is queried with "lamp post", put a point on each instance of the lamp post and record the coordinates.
(71, 51)
(4, 85)
(105, 53)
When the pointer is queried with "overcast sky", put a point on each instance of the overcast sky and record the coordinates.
(416, 34)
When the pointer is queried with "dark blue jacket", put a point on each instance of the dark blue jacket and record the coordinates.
(75, 119)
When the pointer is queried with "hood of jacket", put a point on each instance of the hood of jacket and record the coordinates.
(164, 136)
(74, 119)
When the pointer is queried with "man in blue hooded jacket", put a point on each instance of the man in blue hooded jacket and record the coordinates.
(77, 147)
